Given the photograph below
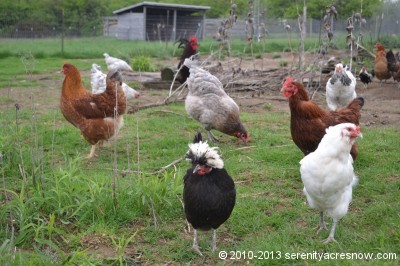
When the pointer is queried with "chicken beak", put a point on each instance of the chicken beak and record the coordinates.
(359, 134)
(196, 168)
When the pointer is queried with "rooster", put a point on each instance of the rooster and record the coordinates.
(393, 65)
(209, 193)
(365, 77)
(114, 63)
(208, 103)
(328, 174)
(381, 70)
(98, 83)
(98, 116)
(340, 88)
(308, 121)
(190, 49)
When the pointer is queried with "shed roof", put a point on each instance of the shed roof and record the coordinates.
(139, 7)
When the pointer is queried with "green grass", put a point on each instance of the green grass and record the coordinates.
(64, 198)
(92, 48)
(58, 208)
(20, 59)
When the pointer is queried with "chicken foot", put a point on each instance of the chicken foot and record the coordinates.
(331, 233)
(211, 136)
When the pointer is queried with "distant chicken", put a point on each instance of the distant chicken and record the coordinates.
(208, 103)
(190, 49)
(209, 193)
(365, 77)
(340, 88)
(308, 121)
(98, 116)
(114, 63)
(328, 174)
(393, 65)
(98, 83)
(381, 70)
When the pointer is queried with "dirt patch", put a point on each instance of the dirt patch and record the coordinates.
(259, 86)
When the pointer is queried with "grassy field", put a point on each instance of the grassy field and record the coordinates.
(84, 48)
(58, 208)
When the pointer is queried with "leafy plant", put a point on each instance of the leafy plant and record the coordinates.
(142, 63)
(121, 243)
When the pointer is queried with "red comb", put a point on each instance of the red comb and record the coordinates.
(192, 38)
(287, 81)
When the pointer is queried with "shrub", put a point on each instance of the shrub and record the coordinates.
(142, 63)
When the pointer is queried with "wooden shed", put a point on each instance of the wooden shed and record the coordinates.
(160, 21)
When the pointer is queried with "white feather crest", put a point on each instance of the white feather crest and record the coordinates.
(201, 149)
(191, 62)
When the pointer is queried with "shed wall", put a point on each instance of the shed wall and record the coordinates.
(131, 27)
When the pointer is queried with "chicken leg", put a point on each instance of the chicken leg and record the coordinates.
(331, 233)
(322, 223)
(195, 244)
(92, 152)
(214, 240)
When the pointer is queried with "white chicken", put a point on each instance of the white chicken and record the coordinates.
(340, 88)
(98, 83)
(114, 63)
(328, 174)
(208, 103)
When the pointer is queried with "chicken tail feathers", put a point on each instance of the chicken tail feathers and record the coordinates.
(357, 103)
(391, 59)
(197, 137)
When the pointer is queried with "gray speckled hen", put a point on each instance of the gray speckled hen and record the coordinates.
(208, 103)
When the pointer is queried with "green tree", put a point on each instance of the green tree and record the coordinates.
(316, 8)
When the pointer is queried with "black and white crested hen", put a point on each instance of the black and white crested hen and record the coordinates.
(209, 193)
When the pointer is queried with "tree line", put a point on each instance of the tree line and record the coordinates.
(86, 16)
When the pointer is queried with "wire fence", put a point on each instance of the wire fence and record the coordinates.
(374, 27)
(276, 27)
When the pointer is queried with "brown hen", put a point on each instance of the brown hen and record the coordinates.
(98, 116)
(381, 70)
(308, 121)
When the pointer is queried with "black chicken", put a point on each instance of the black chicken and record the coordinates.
(190, 48)
(393, 65)
(209, 193)
(365, 77)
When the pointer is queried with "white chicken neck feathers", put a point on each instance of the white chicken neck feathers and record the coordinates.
(202, 151)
